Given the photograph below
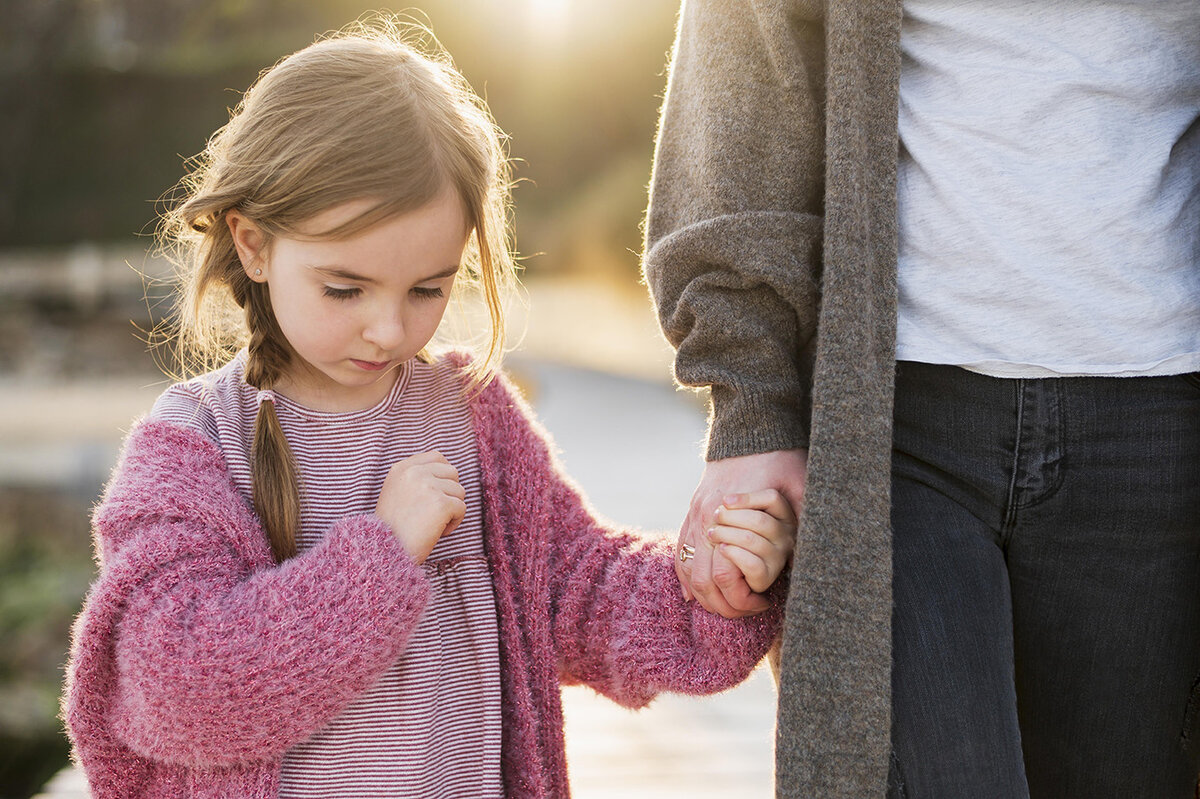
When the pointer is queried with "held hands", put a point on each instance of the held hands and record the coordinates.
(421, 500)
(755, 532)
(710, 576)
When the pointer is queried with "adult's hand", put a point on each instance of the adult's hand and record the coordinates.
(708, 576)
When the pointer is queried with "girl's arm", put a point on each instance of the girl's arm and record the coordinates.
(193, 647)
(618, 621)
(621, 624)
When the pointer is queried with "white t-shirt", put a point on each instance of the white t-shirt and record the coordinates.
(1049, 186)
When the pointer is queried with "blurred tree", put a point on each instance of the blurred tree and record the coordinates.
(34, 38)
(104, 98)
(101, 102)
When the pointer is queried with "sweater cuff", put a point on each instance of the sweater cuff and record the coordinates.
(751, 636)
(373, 556)
(748, 424)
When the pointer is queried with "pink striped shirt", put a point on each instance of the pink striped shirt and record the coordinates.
(431, 726)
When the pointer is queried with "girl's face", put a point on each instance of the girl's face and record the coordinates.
(354, 309)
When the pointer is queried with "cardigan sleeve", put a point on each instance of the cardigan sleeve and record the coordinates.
(734, 227)
(617, 617)
(621, 624)
(194, 647)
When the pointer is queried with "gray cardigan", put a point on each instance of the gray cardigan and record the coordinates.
(771, 255)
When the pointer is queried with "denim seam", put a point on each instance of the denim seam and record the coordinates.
(1061, 470)
(1190, 712)
(896, 788)
(1010, 509)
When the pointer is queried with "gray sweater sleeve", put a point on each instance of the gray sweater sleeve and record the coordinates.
(733, 229)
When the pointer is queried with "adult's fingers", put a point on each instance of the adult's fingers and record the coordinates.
(696, 573)
(683, 568)
(700, 579)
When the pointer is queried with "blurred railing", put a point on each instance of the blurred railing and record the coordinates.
(83, 277)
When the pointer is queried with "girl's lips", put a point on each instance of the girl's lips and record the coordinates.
(370, 366)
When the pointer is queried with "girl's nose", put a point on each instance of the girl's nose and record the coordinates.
(386, 331)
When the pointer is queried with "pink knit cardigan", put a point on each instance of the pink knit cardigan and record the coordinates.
(197, 663)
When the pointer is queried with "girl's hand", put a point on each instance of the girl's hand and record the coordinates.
(756, 532)
(421, 500)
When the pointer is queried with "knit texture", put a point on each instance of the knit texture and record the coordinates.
(771, 255)
(431, 723)
(196, 662)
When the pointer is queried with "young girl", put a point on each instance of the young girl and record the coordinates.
(337, 566)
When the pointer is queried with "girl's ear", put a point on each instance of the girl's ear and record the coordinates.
(250, 242)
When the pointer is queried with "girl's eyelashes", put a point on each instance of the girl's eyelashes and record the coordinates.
(348, 292)
(341, 292)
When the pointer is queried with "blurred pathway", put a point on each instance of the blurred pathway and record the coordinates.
(634, 447)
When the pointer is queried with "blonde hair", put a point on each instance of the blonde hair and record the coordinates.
(376, 112)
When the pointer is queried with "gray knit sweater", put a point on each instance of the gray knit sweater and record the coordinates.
(771, 255)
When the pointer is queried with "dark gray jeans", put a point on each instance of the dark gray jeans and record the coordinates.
(1047, 586)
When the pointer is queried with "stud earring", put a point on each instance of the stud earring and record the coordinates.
(257, 272)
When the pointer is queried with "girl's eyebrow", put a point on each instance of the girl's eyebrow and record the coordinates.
(346, 274)
(339, 272)
(449, 271)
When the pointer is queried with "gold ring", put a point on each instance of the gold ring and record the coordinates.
(686, 552)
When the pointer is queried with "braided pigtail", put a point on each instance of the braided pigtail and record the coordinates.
(374, 114)
(276, 484)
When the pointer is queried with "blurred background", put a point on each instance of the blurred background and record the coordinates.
(103, 100)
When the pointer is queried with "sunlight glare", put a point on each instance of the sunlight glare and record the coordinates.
(548, 18)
